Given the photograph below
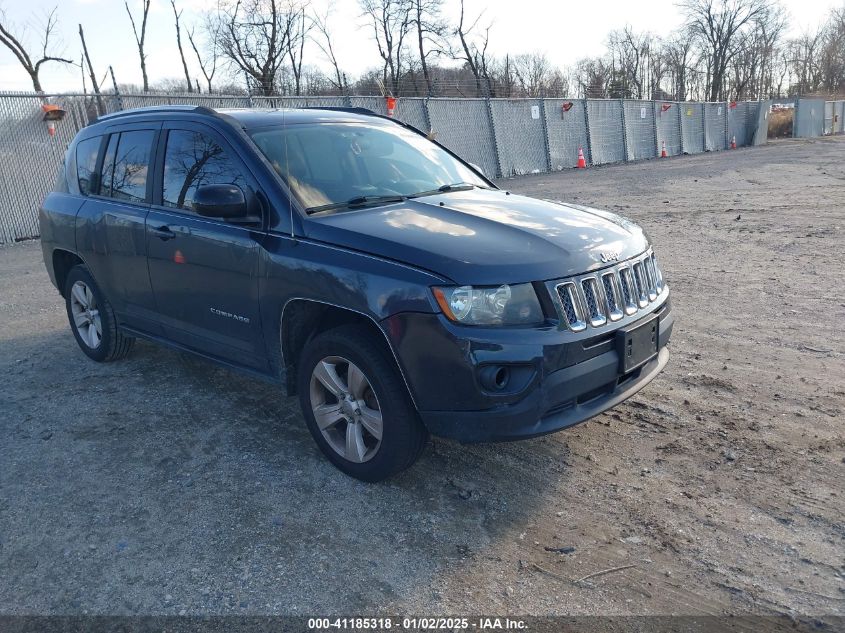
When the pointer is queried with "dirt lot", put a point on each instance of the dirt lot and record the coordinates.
(162, 484)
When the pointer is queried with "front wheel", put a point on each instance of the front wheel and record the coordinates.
(357, 406)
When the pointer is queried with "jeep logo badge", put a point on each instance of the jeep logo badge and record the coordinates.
(609, 256)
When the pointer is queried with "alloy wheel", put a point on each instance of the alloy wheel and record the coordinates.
(86, 315)
(346, 409)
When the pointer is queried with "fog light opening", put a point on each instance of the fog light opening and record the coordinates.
(501, 377)
(495, 377)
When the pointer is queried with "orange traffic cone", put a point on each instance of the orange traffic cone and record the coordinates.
(582, 164)
(663, 151)
(733, 142)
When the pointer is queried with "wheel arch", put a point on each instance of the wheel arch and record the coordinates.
(63, 261)
(302, 319)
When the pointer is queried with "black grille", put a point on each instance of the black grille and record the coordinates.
(592, 301)
(568, 305)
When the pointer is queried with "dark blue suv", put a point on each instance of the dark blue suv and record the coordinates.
(365, 267)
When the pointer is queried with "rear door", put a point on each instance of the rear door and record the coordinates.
(204, 271)
(110, 231)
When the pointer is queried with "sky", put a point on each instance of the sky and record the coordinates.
(565, 30)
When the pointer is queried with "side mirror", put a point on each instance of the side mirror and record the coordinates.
(225, 202)
(478, 169)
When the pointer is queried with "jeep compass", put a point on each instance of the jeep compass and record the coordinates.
(370, 271)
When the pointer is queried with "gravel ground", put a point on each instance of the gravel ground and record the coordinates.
(163, 485)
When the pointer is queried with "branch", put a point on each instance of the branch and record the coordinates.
(14, 45)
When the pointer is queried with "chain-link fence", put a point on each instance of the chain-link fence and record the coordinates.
(503, 137)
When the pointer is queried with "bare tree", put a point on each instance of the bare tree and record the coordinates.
(17, 46)
(94, 85)
(592, 77)
(139, 38)
(176, 16)
(717, 24)
(804, 60)
(391, 23)
(298, 25)
(532, 72)
(474, 54)
(832, 58)
(431, 28)
(324, 43)
(207, 62)
(678, 52)
(253, 39)
(630, 54)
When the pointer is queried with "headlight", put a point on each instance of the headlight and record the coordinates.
(498, 305)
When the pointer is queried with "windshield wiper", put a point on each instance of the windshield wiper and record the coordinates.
(457, 186)
(356, 203)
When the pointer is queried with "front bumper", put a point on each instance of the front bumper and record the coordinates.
(534, 416)
(563, 379)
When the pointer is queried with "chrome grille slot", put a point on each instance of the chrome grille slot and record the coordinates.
(611, 294)
(594, 302)
(571, 303)
(639, 279)
(628, 290)
(651, 280)
(657, 274)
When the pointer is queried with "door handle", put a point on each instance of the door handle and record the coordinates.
(163, 233)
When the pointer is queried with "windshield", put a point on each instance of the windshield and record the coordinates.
(339, 165)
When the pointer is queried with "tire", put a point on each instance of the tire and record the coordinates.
(403, 436)
(92, 318)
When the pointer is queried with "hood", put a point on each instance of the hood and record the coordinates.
(485, 237)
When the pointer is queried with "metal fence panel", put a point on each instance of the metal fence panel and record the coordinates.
(640, 133)
(692, 127)
(607, 142)
(413, 112)
(520, 135)
(839, 118)
(667, 124)
(209, 101)
(278, 102)
(809, 118)
(828, 118)
(715, 126)
(376, 104)
(567, 131)
(30, 157)
(742, 119)
(463, 125)
(761, 131)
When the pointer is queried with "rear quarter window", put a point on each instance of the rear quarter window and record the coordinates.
(86, 164)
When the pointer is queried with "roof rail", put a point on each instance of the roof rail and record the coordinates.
(155, 109)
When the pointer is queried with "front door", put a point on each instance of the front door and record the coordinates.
(204, 271)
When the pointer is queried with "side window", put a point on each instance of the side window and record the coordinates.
(86, 163)
(108, 166)
(192, 160)
(131, 165)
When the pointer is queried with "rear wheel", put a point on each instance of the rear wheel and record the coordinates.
(92, 318)
(356, 405)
